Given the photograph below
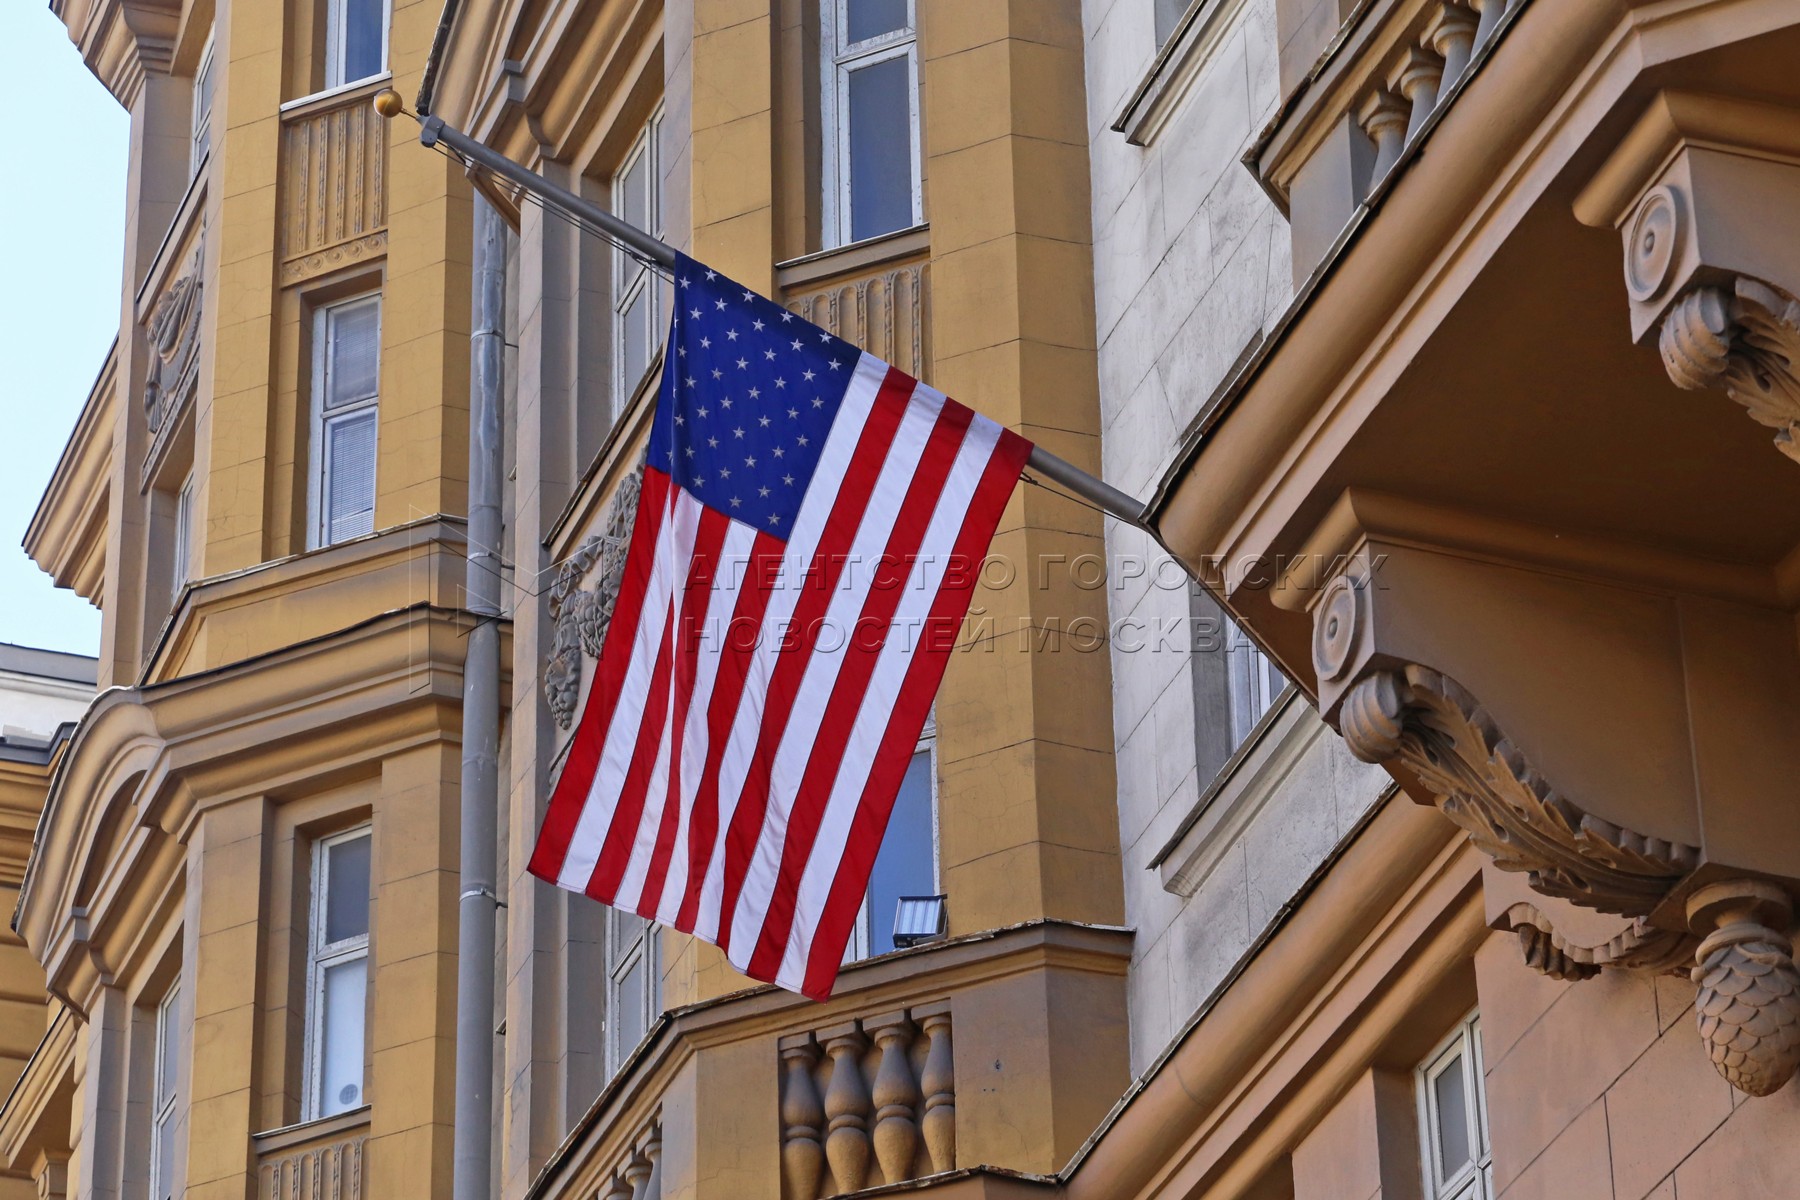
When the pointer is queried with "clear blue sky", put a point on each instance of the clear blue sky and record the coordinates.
(63, 143)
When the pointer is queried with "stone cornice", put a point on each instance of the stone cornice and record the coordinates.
(67, 533)
(35, 1114)
(147, 761)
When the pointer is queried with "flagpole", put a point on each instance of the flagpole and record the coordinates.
(433, 130)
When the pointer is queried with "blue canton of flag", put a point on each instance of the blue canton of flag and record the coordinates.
(749, 392)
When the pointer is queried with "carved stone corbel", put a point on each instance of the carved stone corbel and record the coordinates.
(1745, 339)
(1639, 946)
(580, 616)
(1439, 732)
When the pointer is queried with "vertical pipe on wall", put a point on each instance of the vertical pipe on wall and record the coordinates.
(478, 906)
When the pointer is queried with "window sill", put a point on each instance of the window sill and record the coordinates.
(1255, 772)
(811, 269)
(320, 1129)
(1199, 37)
(328, 98)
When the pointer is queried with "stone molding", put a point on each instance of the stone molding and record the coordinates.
(1743, 338)
(580, 616)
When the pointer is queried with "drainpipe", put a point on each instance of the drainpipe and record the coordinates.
(478, 907)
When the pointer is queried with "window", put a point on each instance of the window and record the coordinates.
(1255, 682)
(346, 375)
(1453, 1119)
(181, 563)
(870, 101)
(165, 1095)
(337, 977)
(203, 100)
(906, 865)
(356, 34)
(1168, 16)
(633, 991)
(637, 198)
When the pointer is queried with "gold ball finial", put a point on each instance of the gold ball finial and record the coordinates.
(388, 103)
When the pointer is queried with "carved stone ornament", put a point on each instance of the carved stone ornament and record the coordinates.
(580, 616)
(1748, 1004)
(1640, 946)
(1746, 340)
(1483, 783)
(174, 329)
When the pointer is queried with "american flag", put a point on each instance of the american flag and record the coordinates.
(806, 543)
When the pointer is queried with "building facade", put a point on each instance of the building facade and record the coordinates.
(1352, 830)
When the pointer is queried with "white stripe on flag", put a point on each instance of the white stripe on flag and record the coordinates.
(790, 584)
(908, 627)
(621, 736)
(823, 662)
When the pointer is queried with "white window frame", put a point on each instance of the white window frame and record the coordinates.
(321, 955)
(839, 60)
(318, 531)
(1460, 1051)
(181, 557)
(632, 276)
(334, 44)
(862, 933)
(1255, 682)
(621, 955)
(200, 125)
(164, 1110)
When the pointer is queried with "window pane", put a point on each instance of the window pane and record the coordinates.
(628, 1008)
(1452, 1118)
(903, 866)
(362, 21)
(168, 1050)
(1168, 15)
(347, 897)
(881, 182)
(341, 1037)
(352, 354)
(349, 492)
(872, 18)
(639, 337)
(634, 197)
(165, 1157)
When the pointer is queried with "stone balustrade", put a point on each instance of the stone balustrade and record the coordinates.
(320, 1160)
(1368, 101)
(867, 1102)
(333, 171)
(638, 1173)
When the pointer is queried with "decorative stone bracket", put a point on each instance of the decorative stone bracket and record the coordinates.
(580, 616)
(1746, 340)
(1735, 947)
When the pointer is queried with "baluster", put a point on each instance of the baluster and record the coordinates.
(939, 1083)
(637, 1174)
(617, 1189)
(1418, 82)
(1452, 35)
(1491, 11)
(1383, 117)
(803, 1123)
(847, 1107)
(896, 1098)
(653, 1152)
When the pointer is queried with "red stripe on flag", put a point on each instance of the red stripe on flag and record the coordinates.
(791, 661)
(851, 686)
(572, 786)
(923, 675)
(735, 655)
(689, 634)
